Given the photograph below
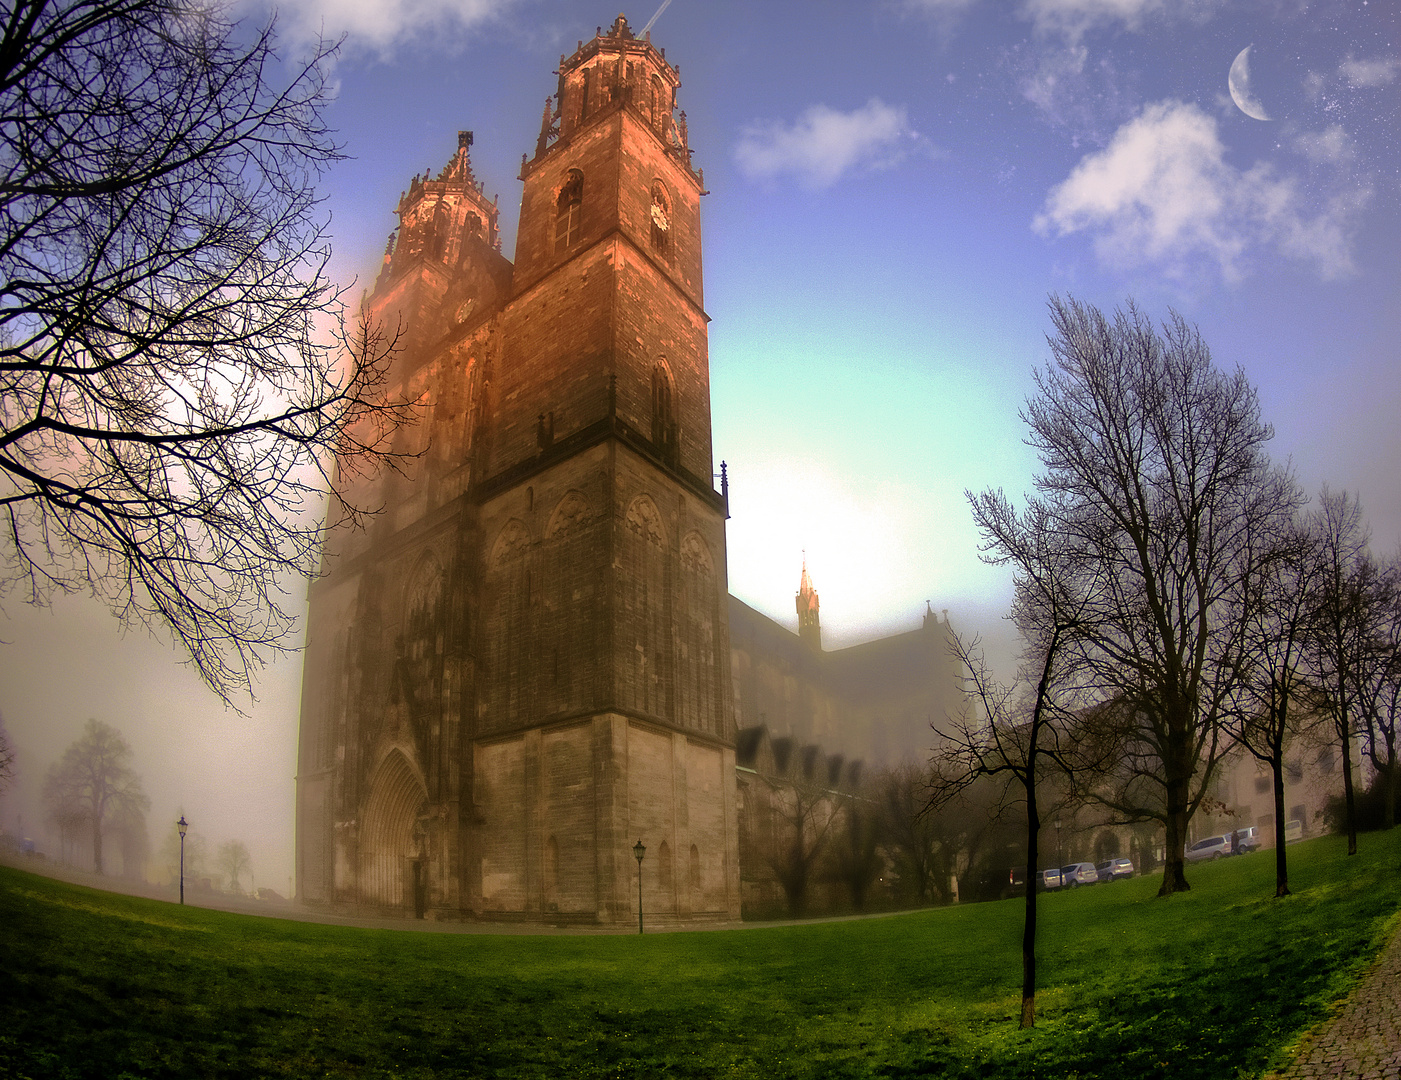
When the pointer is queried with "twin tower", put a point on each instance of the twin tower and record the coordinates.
(521, 666)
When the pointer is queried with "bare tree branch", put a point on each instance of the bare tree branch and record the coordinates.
(1153, 471)
(174, 395)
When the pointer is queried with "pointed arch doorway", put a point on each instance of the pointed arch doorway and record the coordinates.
(393, 862)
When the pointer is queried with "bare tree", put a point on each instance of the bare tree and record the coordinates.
(7, 759)
(1275, 597)
(1013, 737)
(915, 836)
(93, 783)
(1153, 468)
(234, 862)
(169, 407)
(1015, 732)
(804, 813)
(1341, 638)
(856, 857)
(1381, 692)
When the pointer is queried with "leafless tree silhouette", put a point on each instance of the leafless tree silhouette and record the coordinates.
(1381, 692)
(93, 785)
(174, 386)
(234, 863)
(1153, 469)
(1275, 598)
(7, 759)
(1016, 732)
(1343, 636)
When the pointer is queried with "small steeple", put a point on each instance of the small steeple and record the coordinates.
(809, 629)
(439, 216)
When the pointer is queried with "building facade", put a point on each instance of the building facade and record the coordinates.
(521, 667)
(530, 660)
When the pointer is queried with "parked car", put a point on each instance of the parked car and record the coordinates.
(1213, 847)
(1114, 868)
(1247, 840)
(1050, 879)
(1078, 873)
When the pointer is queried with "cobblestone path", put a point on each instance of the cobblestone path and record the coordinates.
(1363, 1042)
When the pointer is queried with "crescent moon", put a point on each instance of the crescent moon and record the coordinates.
(1239, 83)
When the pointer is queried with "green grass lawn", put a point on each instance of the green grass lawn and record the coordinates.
(1213, 983)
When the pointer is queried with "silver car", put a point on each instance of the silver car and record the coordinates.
(1078, 873)
(1213, 847)
(1115, 868)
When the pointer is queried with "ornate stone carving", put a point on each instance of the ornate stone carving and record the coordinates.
(645, 520)
(695, 555)
(511, 543)
(572, 513)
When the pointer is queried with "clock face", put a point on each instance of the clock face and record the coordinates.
(659, 217)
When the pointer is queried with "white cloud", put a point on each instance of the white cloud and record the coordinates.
(1371, 73)
(1331, 146)
(1163, 193)
(380, 25)
(825, 143)
(1072, 18)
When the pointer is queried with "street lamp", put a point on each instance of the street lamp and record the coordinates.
(182, 825)
(638, 851)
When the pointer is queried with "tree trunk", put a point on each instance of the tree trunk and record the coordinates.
(1390, 790)
(1281, 870)
(97, 844)
(1033, 828)
(1175, 838)
(1348, 801)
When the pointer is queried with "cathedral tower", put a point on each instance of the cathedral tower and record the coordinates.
(522, 667)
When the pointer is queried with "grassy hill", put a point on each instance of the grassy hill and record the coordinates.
(1213, 983)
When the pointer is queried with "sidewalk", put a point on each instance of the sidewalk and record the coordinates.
(1363, 1041)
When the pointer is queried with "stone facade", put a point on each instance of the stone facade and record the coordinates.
(525, 663)
(872, 702)
(521, 666)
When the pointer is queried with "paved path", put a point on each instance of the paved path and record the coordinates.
(1363, 1041)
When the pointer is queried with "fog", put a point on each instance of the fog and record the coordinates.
(231, 775)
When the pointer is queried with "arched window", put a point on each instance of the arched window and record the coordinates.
(663, 411)
(664, 867)
(659, 109)
(569, 210)
(551, 882)
(661, 218)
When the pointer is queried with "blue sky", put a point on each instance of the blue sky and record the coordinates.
(896, 187)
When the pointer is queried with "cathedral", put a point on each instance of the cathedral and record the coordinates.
(523, 666)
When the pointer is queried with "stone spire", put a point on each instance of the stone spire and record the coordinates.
(439, 216)
(809, 629)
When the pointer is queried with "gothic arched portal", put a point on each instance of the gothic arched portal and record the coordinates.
(391, 839)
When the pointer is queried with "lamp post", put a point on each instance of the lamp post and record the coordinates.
(638, 851)
(182, 825)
